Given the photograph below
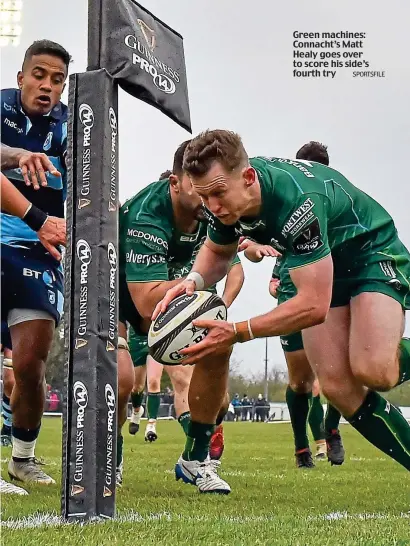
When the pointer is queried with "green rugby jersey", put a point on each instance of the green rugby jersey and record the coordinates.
(310, 210)
(151, 248)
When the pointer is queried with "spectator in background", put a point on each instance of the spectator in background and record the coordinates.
(261, 409)
(237, 407)
(54, 401)
(246, 407)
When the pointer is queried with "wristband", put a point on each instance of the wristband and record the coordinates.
(34, 217)
(197, 278)
(243, 331)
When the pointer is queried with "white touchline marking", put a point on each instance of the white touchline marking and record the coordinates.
(54, 520)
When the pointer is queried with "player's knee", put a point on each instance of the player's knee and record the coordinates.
(300, 380)
(29, 370)
(376, 376)
(334, 391)
(180, 383)
(154, 385)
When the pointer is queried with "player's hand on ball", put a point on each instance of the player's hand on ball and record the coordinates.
(184, 287)
(34, 166)
(220, 337)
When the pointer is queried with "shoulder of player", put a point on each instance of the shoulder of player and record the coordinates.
(152, 205)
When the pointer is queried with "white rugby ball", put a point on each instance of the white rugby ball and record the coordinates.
(173, 330)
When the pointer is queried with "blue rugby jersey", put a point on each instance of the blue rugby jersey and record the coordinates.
(46, 134)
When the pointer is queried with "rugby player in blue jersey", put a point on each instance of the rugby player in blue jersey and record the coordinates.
(34, 134)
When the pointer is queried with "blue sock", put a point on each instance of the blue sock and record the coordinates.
(6, 413)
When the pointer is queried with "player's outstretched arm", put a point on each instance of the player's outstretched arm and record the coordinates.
(233, 284)
(308, 308)
(50, 230)
(33, 165)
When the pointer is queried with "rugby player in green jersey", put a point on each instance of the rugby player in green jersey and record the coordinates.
(303, 392)
(161, 230)
(345, 258)
(147, 370)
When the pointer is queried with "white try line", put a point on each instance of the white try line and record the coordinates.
(54, 520)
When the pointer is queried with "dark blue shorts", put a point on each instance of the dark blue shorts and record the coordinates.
(31, 279)
(5, 336)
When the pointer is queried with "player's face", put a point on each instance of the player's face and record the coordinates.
(189, 199)
(42, 82)
(226, 194)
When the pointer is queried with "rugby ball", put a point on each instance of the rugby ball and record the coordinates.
(173, 330)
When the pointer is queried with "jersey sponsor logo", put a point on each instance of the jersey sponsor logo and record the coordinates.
(309, 240)
(13, 125)
(9, 108)
(31, 273)
(149, 237)
(296, 218)
(144, 259)
(299, 166)
(189, 238)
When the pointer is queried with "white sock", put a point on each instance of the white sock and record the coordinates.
(23, 450)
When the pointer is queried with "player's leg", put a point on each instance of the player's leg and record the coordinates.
(217, 444)
(31, 339)
(377, 420)
(181, 378)
(8, 384)
(154, 374)
(125, 382)
(316, 416)
(377, 325)
(207, 395)
(138, 346)
(298, 396)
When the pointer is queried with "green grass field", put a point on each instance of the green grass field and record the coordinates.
(366, 501)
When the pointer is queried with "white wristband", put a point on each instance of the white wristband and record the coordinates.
(197, 278)
(250, 329)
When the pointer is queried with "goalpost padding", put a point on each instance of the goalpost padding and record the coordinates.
(91, 288)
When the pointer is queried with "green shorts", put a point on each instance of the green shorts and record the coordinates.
(286, 291)
(127, 313)
(386, 272)
(138, 344)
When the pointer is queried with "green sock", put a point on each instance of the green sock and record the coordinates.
(384, 426)
(316, 415)
(298, 404)
(197, 441)
(154, 400)
(404, 360)
(120, 444)
(332, 418)
(136, 399)
(184, 419)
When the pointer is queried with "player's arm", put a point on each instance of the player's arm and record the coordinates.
(146, 295)
(50, 230)
(311, 269)
(308, 308)
(234, 282)
(33, 165)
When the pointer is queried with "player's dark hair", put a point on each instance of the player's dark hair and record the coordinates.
(165, 175)
(179, 158)
(220, 145)
(314, 151)
(47, 47)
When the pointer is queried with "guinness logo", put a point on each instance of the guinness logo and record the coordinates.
(148, 34)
